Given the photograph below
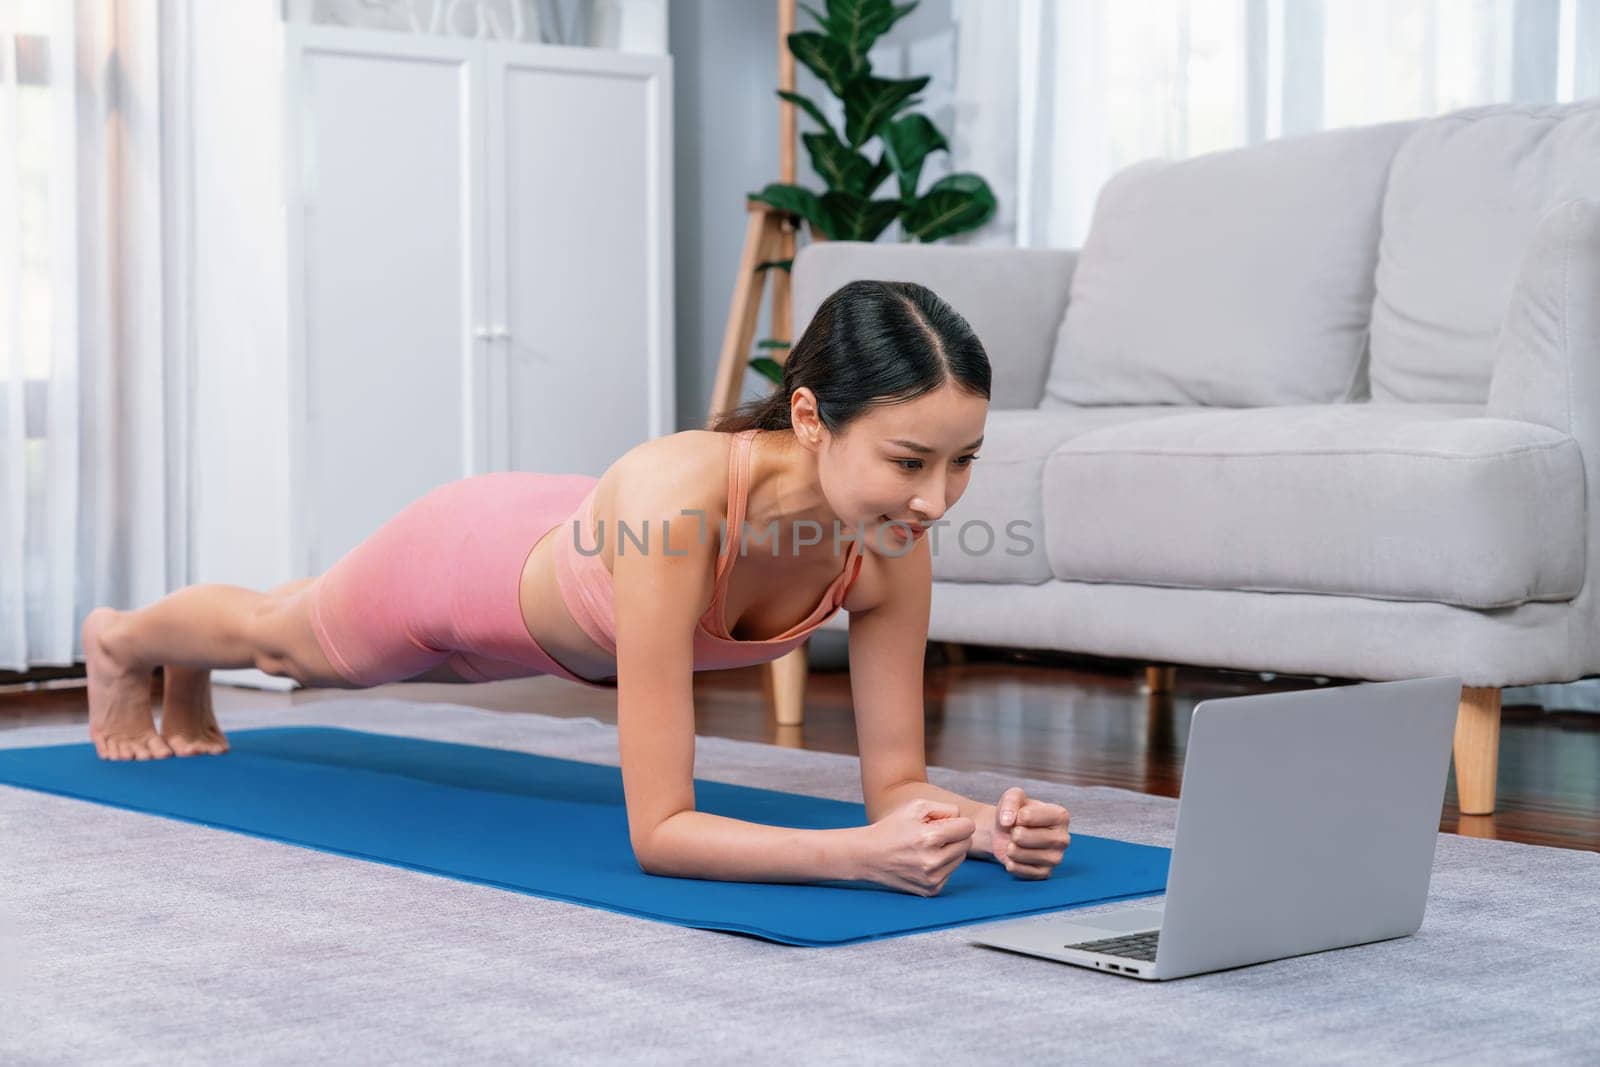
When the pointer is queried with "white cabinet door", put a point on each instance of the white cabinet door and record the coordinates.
(387, 287)
(580, 240)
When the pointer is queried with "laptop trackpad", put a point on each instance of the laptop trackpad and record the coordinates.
(1125, 920)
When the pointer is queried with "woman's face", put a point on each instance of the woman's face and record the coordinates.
(907, 462)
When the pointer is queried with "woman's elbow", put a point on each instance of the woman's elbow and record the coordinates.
(647, 851)
(653, 847)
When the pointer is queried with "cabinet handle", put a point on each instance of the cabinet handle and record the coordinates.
(491, 333)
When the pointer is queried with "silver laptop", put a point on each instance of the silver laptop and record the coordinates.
(1307, 822)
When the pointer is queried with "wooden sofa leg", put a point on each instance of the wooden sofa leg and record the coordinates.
(1477, 749)
(1159, 679)
(784, 684)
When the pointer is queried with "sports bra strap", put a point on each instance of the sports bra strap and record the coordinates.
(738, 492)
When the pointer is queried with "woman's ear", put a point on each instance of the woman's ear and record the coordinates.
(803, 416)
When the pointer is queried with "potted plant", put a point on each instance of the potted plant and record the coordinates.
(876, 111)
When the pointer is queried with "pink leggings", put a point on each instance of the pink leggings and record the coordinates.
(439, 583)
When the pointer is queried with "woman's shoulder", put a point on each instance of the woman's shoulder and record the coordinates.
(866, 592)
(682, 460)
(886, 577)
(648, 491)
(683, 445)
(658, 477)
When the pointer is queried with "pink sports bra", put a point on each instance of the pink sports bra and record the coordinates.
(586, 585)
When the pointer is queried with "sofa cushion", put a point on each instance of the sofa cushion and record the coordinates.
(1238, 278)
(1464, 196)
(1011, 297)
(995, 532)
(1394, 501)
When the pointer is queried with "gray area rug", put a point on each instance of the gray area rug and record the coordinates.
(129, 938)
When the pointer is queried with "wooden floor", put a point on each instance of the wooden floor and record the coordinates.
(1042, 715)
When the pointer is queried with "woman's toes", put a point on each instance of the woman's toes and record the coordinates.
(200, 744)
(136, 748)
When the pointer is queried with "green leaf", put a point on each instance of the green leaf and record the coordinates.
(953, 204)
(772, 342)
(768, 369)
(909, 140)
(856, 218)
(870, 102)
(780, 264)
(810, 108)
(826, 58)
(857, 24)
(840, 167)
(795, 199)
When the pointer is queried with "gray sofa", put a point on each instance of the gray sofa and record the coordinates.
(1328, 405)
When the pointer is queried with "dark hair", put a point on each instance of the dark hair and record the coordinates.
(871, 342)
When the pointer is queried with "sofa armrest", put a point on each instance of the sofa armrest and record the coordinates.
(1547, 370)
(1014, 298)
(1547, 363)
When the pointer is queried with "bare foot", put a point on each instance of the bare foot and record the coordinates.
(188, 721)
(121, 723)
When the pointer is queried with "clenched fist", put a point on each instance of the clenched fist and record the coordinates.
(1029, 836)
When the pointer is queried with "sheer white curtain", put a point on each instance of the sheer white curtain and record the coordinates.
(1054, 96)
(93, 316)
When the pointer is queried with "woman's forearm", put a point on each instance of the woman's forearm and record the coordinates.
(981, 814)
(698, 844)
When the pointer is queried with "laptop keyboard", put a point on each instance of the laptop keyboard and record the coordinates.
(1129, 946)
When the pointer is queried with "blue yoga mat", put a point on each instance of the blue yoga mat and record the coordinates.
(551, 828)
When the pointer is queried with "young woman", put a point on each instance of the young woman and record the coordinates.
(618, 582)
